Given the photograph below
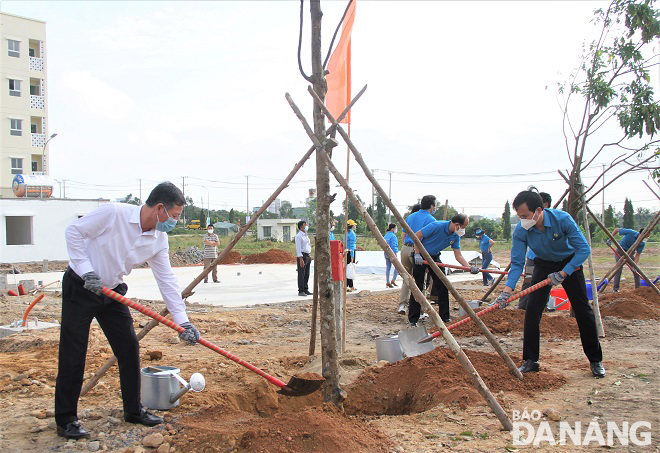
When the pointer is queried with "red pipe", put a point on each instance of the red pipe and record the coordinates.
(467, 268)
(152, 314)
(34, 302)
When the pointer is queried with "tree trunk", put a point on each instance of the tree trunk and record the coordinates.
(329, 354)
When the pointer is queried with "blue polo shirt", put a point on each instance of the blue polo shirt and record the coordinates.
(331, 236)
(530, 255)
(560, 239)
(629, 238)
(436, 237)
(392, 241)
(351, 241)
(416, 221)
(484, 243)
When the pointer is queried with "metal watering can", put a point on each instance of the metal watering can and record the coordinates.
(162, 386)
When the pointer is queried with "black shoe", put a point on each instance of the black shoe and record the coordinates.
(145, 418)
(446, 321)
(412, 324)
(216, 281)
(302, 293)
(206, 281)
(529, 366)
(72, 430)
(597, 369)
(308, 293)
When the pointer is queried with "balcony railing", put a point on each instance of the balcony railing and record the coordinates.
(38, 140)
(36, 64)
(37, 102)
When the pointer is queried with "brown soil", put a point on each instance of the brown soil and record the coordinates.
(232, 257)
(502, 322)
(272, 256)
(419, 383)
(641, 303)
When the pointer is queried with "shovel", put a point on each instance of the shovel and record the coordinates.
(453, 266)
(409, 340)
(295, 387)
(524, 292)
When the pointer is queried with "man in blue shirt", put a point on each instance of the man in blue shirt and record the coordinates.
(416, 221)
(436, 237)
(629, 238)
(560, 249)
(485, 244)
(351, 247)
(529, 262)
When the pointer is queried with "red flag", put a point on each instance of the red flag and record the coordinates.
(339, 66)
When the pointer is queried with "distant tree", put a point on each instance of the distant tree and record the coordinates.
(130, 199)
(506, 221)
(202, 218)
(232, 216)
(610, 217)
(353, 214)
(628, 214)
(286, 210)
(642, 217)
(492, 228)
(381, 214)
(311, 214)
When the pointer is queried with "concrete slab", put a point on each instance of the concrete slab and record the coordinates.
(16, 327)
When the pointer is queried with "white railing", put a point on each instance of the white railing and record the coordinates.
(36, 64)
(38, 140)
(37, 102)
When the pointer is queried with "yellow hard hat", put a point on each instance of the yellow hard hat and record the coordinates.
(351, 222)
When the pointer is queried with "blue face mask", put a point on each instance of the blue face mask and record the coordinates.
(167, 225)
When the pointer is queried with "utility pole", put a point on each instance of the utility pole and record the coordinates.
(140, 190)
(389, 211)
(64, 184)
(373, 197)
(602, 216)
(247, 196)
(184, 198)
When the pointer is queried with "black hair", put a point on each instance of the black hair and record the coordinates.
(416, 207)
(546, 198)
(166, 193)
(301, 223)
(427, 202)
(459, 218)
(530, 197)
(390, 226)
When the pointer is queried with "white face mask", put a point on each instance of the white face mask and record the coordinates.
(394, 231)
(528, 223)
(460, 231)
(306, 228)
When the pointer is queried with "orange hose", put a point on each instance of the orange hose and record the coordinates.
(25, 315)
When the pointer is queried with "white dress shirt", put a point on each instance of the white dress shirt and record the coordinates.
(110, 242)
(302, 243)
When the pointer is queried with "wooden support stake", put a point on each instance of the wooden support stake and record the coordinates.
(444, 216)
(315, 308)
(494, 285)
(594, 285)
(431, 263)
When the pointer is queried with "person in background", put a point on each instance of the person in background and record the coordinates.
(333, 223)
(421, 215)
(629, 238)
(351, 245)
(485, 244)
(303, 258)
(393, 242)
(560, 249)
(529, 262)
(211, 242)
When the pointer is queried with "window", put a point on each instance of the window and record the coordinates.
(35, 166)
(34, 90)
(19, 230)
(33, 128)
(267, 232)
(16, 166)
(14, 48)
(31, 52)
(16, 127)
(14, 87)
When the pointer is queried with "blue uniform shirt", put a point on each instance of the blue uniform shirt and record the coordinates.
(351, 242)
(560, 239)
(530, 255)
(436, 237)
(484, 243)
(629, 238)
(331, 236)
(416, 221)
(392, 241)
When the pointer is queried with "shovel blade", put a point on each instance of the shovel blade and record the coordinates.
(409, 340)
(426, 339)
(301, 386)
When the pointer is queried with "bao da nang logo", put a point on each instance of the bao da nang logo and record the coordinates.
(596, 432)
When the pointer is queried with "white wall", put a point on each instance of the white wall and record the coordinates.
(50, 217)
(276, 228)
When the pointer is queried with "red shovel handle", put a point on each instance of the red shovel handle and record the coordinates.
(453, 266)
(152, 314)
(493, 307)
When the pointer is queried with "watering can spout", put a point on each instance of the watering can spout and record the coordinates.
(196, 384)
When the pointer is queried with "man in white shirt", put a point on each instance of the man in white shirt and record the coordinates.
(103, 246)
(303, 258)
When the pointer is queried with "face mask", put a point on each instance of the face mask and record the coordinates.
(306, 228)
(460, 231)
(210, 231)
(433, 211)
(167, 225)
(528, 223)
(394, 231)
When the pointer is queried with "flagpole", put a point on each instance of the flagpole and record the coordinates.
(343, 311)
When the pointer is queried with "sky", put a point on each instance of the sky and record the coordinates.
(461, 100)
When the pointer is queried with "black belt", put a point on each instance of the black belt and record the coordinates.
(73, 275)
(305, 253)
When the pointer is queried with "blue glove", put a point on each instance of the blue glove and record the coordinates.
(191, 334)
(502, 299)
(418, 259)
(93, 283)
(556, 278)
(474, 270)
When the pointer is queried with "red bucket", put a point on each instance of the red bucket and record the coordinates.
(560, 297)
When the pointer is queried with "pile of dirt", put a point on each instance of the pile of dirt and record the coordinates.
(313, 429)
(641, 303)
(502, 322)
(419, 383)
(272, 256)
(233, 257)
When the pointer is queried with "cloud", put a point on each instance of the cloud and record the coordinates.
(94, 97)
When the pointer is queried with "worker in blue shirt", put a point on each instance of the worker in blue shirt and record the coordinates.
(560, 249)
(393, 242)
(529, 262)
(416, 221)
(331, 235)
(629, 238)
(485, 244)
(436, 237)
(351, 245)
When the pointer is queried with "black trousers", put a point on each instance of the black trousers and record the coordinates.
(576, 290)
(79, 307)
(303, 272)
(439, 290)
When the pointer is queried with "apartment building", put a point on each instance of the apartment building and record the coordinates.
(23, 106)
